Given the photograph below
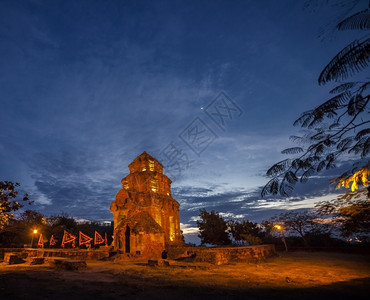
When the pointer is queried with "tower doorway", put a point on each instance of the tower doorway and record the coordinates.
(127, 239)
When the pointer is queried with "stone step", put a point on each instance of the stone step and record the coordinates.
(159, 262)
(37, 260)
(68, 264)
(12, 259)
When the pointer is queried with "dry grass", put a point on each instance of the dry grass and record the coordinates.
(289, 276)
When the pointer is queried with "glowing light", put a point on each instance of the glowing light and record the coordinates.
(151, 165)
(144, 169)
(172, 229)
(34, 231)
(154, 184)
(360, 177)
(278, 227)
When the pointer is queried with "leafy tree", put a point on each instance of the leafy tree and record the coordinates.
(19, 231)
(11, 235)
(350, 211)
(8, 204)
(63, 221)
(338, 126)
(267, 227)
(60, 223)
(251, 239)
(212, 229)
(246, 231)
(32, 218)
(182, 236)
(302, 224)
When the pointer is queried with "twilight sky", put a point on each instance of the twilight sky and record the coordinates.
(86, 86)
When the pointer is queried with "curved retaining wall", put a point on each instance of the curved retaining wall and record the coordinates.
(214, 255)
(68, 253)
(222, 255)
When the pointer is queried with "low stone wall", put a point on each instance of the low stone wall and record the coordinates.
(214, 255)
(222, 255)
(67, 253)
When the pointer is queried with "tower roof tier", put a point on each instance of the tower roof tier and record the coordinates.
(145, 162)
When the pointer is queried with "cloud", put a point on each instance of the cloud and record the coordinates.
(188, 230)
(243, 203)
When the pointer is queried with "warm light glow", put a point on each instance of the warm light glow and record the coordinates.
(144, 169)
(278, 227)
(158, 218)
(151, 165)
(360, 177)
(154, 185)
(172, 229)
(35, 231)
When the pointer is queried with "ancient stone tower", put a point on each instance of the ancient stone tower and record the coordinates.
(146, 217)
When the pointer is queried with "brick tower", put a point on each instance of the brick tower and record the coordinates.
(146, 217)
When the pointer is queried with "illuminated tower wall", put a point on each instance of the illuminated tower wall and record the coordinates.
(146, 217)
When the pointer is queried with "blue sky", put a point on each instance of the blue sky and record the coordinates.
(86, 86)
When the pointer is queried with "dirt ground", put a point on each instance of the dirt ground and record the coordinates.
(296, 275)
